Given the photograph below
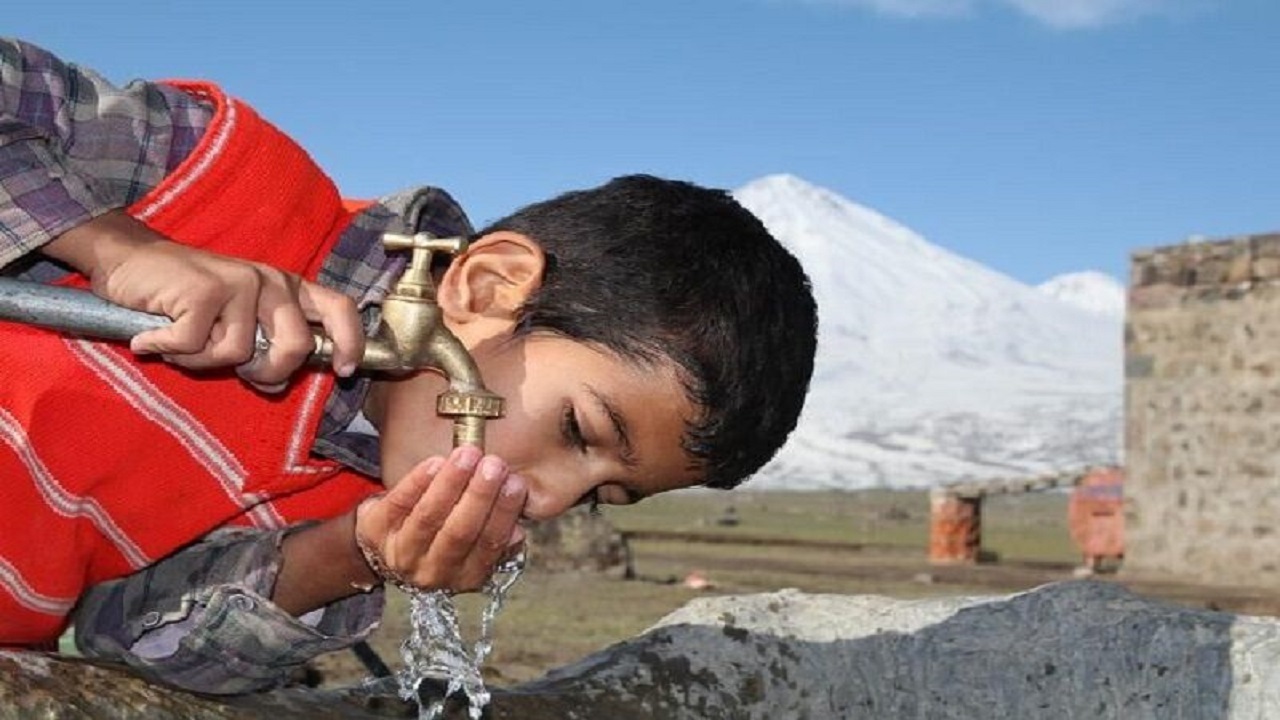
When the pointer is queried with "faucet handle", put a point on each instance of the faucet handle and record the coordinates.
(424, 246)
(424, 241)
(416, 279)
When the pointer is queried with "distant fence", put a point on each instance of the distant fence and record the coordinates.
(1095, 513)
(1013, 486)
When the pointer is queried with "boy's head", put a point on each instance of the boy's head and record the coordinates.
(710, 322)
(660, 269)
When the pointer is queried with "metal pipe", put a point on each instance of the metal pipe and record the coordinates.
(80, 312)
(72, 311)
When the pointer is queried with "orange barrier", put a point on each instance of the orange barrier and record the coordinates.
(1095, 516)
(955, 528)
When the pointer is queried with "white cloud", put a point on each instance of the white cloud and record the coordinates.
(1070, 14)
(906, 8)
(1063, 14)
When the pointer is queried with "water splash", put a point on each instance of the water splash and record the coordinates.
(435, 647)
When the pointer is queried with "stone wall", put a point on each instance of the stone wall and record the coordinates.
(1202, 406)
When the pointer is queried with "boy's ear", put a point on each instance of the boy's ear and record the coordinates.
(492, 279)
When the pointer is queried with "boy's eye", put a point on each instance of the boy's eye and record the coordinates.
(571, 430)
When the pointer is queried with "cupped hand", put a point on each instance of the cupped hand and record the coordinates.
(447, 524)
(216, 302)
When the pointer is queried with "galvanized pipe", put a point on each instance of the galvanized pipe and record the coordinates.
(80, 312)
(73, 311)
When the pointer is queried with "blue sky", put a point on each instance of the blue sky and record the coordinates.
(1035, 136)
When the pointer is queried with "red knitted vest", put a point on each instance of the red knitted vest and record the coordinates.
(108, 463)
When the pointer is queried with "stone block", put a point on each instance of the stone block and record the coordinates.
(1141, 271)
(1240, 269)
(1210, 271)
(1078, 649)
(1266, 245)
(1138, 366)
(1266, 268)
(1154, 297)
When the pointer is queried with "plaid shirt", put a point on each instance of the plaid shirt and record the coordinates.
(72, 147)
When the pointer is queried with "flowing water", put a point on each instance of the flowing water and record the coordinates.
(436, 649)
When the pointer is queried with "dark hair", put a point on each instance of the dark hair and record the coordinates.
(654, 269)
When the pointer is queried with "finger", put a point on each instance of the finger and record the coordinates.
(389, 512)
(283, 322)
(186, 335)
(338, 315)
(457, 539)
(418, 533)
(272, 389)
(231, 339)
(501, 534)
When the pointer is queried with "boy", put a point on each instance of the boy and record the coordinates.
(647, 335)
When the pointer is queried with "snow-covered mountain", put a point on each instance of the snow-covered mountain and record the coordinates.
(1089, 290)
(931, 367)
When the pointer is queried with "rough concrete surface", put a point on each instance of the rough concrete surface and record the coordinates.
(1081, 649)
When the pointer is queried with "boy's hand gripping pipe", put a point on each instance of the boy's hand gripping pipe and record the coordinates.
(411, 335)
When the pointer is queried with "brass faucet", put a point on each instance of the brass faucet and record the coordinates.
(412, 336)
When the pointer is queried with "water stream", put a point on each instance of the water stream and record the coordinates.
(435, 648)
